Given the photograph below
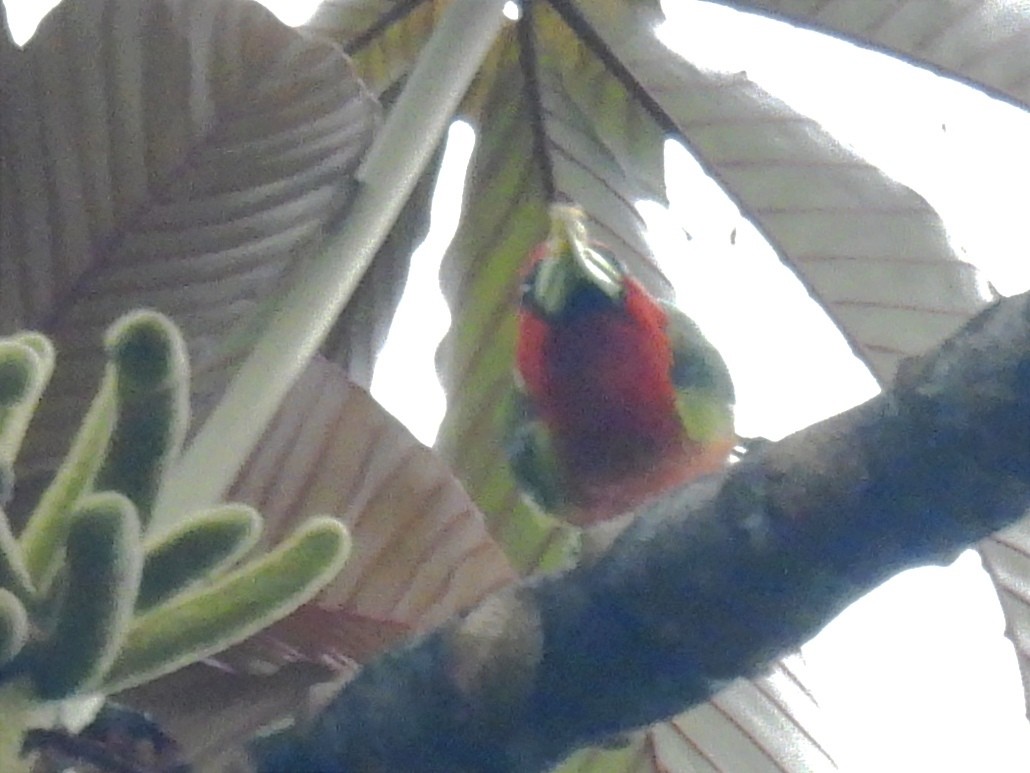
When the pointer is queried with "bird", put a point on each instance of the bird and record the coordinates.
(618, 396)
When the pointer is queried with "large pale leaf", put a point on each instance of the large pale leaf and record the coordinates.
(732, 732)
(421, 553)
(177, 154)
(982, 42)
(870, 250)
(420, 549)
(1006, 556)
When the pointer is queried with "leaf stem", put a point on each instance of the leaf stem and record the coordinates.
(413, 129)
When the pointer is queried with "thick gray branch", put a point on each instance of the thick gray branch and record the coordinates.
(708, 584)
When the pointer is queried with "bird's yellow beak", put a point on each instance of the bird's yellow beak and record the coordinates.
(572, 263)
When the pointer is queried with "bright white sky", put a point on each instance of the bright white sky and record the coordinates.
(917, 675)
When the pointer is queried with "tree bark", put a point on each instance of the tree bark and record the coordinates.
(712, 582)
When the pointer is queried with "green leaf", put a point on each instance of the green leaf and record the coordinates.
(209, 619)
(152, 395)
(384, 37)
(102, 571)
(198, 548)
(14, 626)
(43, 537)
(17, 370)
(28, 363)
(14, 575)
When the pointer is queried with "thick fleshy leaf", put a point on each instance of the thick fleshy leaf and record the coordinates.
(420, 553)
(233, 607)
(175, 154)
(982, 42)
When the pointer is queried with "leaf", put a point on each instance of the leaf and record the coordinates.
(420, 550)
(872, 252)
(1006, 557)
(505, 214)
(103, 566)
(978, 41)
(729, 733)
(36, 351)
(188, 174)
(203, 622)
(148, 354)
(199, 547)
(14, 626)
(384, 37)
(420, 554)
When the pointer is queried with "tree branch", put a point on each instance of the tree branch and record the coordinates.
(710, 583)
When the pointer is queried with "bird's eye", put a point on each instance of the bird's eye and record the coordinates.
(527, 295)
(528, 281)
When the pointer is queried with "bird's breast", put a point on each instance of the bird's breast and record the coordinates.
(612, 402)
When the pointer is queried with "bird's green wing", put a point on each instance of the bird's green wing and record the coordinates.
(532, 456)
(704, 389)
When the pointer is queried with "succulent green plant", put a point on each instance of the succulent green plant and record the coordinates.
(92, 602)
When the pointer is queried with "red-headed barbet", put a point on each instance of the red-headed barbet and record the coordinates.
(618, 395)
